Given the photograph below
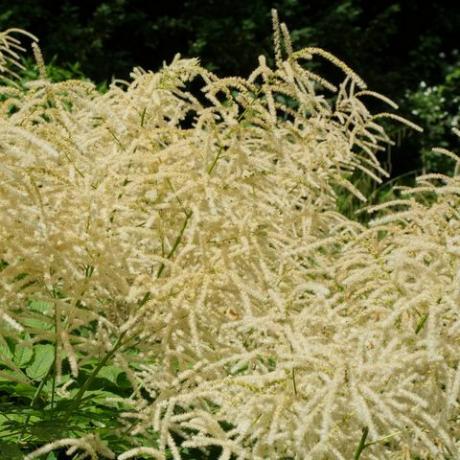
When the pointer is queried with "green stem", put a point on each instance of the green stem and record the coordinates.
(293, 382)
(35, 399)
(143, 116)
(421, 323)
(78, 397)
(176, 243)
(362, 444)
(215, 160)
(56, 344)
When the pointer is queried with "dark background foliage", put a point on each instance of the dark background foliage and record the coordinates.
(404, 49)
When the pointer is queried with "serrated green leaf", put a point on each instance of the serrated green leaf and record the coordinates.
(34, 323)
(42, 361)
(22, 355)
(5, 352)
(40, 306)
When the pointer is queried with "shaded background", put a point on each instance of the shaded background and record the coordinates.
(407, 50)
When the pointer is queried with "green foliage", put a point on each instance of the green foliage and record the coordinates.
(228, 35)
(437, 108)
(42, 362)
(54, 72)
(40, 410)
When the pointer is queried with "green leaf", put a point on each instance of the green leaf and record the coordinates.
(39, 306)
(5, 352)
(100, 397)
(42, 362)
(12, 376)
(10, 451)
(110, 373)
(47, 430)
(34, 323)
(24, 390)
(22, 355)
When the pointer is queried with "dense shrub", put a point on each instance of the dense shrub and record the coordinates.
(187, 250)
(437, 108)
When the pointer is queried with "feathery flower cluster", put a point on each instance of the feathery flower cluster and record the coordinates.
(202, 232)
